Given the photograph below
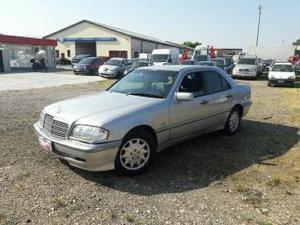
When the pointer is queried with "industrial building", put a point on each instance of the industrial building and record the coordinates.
(16, 52)
(87, 37)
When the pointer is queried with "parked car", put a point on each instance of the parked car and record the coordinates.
(145, 112)
(281, 74)
(79, 57)
(297, 67)
(88, 66)
(189, 62)
(229, 64)
(114, 68)
(221, 63)
(162, 57)
(206, 63)
(246, 67)
(267, 64)
(136, 63)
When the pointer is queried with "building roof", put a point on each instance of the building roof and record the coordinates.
(122, 31)
(26, 40)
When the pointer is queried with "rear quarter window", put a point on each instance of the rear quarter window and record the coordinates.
(213, 82)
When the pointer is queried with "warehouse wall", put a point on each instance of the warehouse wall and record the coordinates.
(87, 30)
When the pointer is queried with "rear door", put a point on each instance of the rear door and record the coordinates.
(219, 93)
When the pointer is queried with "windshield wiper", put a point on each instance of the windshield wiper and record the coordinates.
(144, 94)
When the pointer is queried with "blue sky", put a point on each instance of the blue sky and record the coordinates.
(221, 23)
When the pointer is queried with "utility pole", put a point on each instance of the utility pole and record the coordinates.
(258, 25)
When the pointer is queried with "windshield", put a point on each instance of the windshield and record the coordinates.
(247, 61)
(189, 62)
(205, 63)
(81, 56)
(87, 60)
(219, 62)
(114, 62)
(147, 83)
(160, 58)
(282, 68)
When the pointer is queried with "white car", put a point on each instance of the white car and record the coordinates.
(281, 74)
(246, 67)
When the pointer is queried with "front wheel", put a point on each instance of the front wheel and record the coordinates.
(233, 122)
(136, 152)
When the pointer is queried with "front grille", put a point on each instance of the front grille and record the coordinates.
(55, 127)
(244, 70)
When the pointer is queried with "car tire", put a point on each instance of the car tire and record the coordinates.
(233, 121)
(135, 153)
(119, 75)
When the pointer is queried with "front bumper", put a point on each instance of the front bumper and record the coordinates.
(245, 74)
(90, 157)
(289, 82)
(108, 74)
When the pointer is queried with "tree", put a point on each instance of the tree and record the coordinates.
(297, 42)
(191, 44)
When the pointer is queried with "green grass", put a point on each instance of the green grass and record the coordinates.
(105, 83)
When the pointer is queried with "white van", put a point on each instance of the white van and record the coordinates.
(165, 57)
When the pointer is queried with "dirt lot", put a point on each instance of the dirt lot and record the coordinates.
(251, 178)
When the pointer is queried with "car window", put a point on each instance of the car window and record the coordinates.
(212, 82)
(144, 82)
(225, 84)
(193, 83)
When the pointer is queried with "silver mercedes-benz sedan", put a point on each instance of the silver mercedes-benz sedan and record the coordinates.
(147, 111)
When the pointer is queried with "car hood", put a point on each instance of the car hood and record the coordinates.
(242, 66)
(104, 68)
(281, 75)
(104, 105)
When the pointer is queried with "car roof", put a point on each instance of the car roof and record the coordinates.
(118, 58)
(177, 68)
(283, 63)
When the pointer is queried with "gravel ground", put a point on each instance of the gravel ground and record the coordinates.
(250, 178)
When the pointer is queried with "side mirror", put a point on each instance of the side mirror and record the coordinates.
(170, 60)
(184, 96)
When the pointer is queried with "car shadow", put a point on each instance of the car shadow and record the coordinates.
(198, 162)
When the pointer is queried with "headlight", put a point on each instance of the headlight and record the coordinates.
(89, 134)
(41, 119)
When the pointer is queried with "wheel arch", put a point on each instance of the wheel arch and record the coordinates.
(144, 127)
(240, 108)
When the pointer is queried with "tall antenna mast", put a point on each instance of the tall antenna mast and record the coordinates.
(258, 25)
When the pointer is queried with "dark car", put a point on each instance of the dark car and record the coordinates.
(88, 66)
(221, 63)
(206, 63)
(136, 63)
(79, 57)
(297, 67)
(229, 64)
(189, 62)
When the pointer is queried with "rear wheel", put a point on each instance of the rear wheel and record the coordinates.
(136, 152)
(233, 122)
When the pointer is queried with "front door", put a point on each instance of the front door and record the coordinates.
(188, 117)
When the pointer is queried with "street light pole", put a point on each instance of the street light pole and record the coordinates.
(258, 25)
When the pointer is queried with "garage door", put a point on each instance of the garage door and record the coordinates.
(121, 54)
(1, 62)
(85, 48)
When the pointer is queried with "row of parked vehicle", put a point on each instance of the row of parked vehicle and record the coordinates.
(280, 72)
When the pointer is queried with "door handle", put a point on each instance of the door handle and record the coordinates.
(203, 102)
(229, 95)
